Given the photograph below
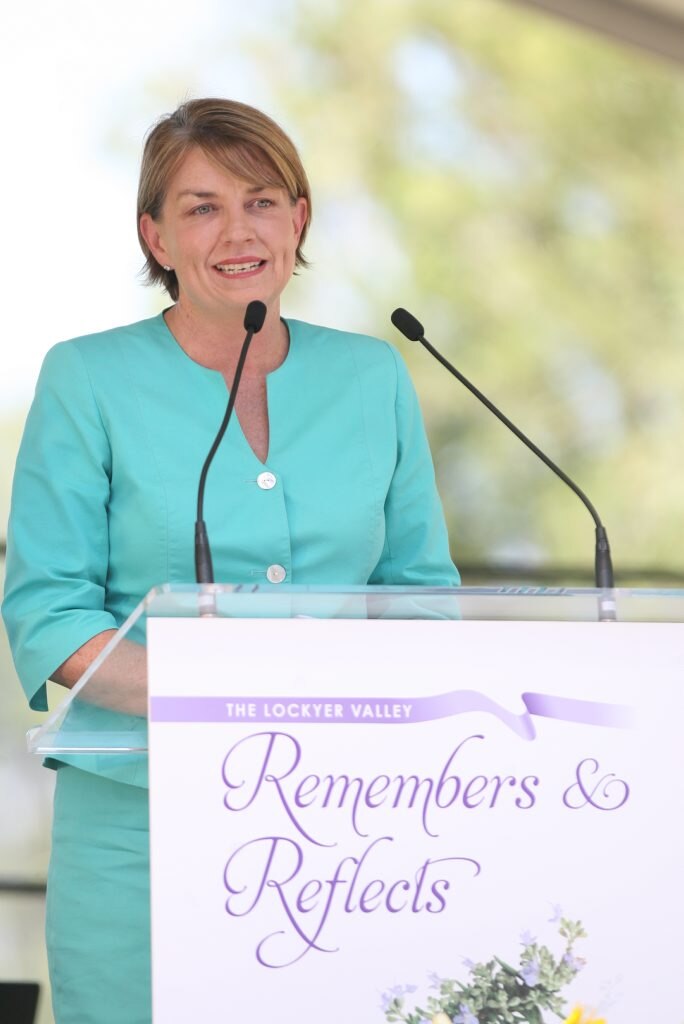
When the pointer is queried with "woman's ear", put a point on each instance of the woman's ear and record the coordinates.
(150, 230)
(300, 211)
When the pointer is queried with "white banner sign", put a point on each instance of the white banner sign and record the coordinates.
(356, 822)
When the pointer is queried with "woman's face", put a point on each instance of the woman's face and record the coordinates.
(228, 240)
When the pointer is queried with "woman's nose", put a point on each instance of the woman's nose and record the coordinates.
(237, 226)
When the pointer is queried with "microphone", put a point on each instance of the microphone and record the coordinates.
(603, 568)
(255, 315)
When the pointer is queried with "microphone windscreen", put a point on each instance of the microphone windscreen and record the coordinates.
(255, 315)
(407, 324)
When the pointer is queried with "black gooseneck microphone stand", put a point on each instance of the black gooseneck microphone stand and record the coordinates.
(204, 570)
(603, 567)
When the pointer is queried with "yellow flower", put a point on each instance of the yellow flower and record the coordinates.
(578, 1016)
(441, 1018)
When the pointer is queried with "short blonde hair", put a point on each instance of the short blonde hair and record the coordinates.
(240, 139)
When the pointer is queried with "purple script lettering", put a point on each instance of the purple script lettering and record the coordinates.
(606, 793)
(267, 764)
(271, 868)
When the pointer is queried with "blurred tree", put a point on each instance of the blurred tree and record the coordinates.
(517, 183)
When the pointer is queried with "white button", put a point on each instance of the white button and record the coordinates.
(275, 574)
(266, 481)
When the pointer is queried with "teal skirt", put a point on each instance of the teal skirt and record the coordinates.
(98, 901)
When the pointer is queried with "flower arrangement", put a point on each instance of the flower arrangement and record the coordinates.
(498, 993)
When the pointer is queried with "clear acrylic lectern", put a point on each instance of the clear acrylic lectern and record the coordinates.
(84, 723)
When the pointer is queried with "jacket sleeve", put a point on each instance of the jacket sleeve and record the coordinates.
(57, 542)
(416, 549)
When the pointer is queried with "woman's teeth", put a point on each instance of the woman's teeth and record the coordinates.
(237, 268)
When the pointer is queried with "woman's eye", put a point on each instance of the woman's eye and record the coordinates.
(204, 208)
(263, 204)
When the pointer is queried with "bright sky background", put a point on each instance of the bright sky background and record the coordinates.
(82, 84)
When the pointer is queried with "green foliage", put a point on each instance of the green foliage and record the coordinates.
(500, 994)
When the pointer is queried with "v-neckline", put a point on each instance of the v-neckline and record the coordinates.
(274, 381)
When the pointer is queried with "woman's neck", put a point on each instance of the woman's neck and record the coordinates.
(216, 342)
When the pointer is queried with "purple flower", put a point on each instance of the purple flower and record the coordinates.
(434, 979)
(530, 973)
(465, 1015)
(467, 963)
(528, 939)
(575, 963)
(556, 913)
(395, 992)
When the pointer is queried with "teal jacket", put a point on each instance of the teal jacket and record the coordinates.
(103, 505)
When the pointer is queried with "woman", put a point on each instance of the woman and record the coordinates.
(324, 476)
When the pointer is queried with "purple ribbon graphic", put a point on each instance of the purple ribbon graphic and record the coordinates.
(388, 710)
